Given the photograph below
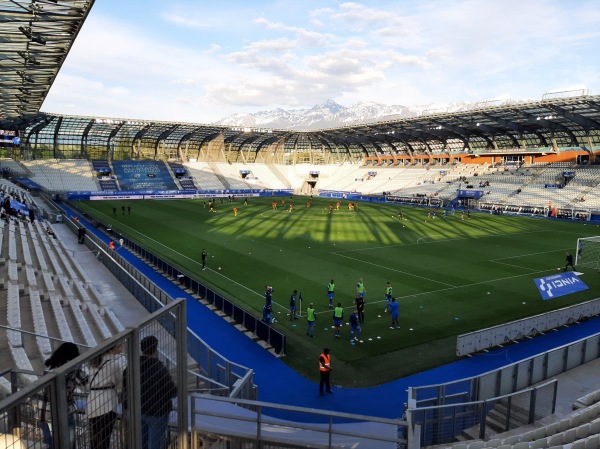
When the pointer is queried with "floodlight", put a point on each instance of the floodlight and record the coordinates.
(26, 32)
(33, 37)
(38, 39)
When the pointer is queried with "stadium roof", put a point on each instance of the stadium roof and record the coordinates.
(35, 38)
(557, 122)
(547, 124)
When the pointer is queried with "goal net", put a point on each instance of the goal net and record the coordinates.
(587, 253)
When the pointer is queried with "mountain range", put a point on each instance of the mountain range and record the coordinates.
(331, 114)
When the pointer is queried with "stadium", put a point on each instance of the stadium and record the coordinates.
(485, 222)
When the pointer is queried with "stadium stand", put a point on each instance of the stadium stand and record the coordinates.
(32, 301)
(14, 168)
(232, 175)
(62, 175)
(143, 175)
(203, 176)
(181, 175)
(265, 176)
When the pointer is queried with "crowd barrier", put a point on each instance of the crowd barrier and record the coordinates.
(236, 378)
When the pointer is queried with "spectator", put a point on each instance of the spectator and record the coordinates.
(106, 381)
(75, 379)
(157, 391)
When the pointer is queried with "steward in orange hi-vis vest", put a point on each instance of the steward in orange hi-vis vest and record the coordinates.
(324, 370)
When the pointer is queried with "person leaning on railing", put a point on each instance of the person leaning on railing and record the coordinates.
(106, 381)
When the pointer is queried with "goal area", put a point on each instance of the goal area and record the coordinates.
(587, 253)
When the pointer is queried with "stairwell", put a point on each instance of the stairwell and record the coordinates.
(175, 178)
(116, 178)
(501, 418)
(222, 179)
(279, 175)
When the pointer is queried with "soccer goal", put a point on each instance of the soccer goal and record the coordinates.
(587, 253)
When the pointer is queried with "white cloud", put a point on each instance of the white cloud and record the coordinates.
(213, 62)
(184, 21)
(214, 48)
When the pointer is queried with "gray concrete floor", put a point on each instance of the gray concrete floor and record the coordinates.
(129, 311)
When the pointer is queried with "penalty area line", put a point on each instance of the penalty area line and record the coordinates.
(392, 269)
(512, 265)
(527, 255)
(469, 285)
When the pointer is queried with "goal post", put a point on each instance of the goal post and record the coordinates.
(587, 252)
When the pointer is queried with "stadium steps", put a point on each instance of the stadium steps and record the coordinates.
(115, 177)
(496, 419)
(217, 172)
(496, 422)
(172, 173)
(279, 175)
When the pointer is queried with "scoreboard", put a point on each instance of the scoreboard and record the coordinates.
(9, 138)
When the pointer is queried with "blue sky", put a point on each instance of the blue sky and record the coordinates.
(198, 61)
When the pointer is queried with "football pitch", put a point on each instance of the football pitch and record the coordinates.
(450, 275)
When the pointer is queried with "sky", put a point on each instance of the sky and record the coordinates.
(198, 61)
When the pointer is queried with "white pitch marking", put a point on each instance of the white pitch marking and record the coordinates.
(512, 265)
(526, 255)
(392, 269)
(440, 241)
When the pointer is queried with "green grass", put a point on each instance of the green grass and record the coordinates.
(450, 276)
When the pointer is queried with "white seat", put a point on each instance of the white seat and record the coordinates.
(595, 427)
(592, 442)
(555, 439)
(39, 323)
(528, 436)
(13, 312)
(98, 321)
(539, 433)
(551, 429)
(61, 320)
(569, 436)
(582, 431)
(494, 442)
(513, 439)
(521, 445)
(82, 323)
(112, 319)
(476, 445)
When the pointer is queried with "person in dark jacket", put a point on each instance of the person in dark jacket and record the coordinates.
(569, 260)
(157, 390)
(75, 379)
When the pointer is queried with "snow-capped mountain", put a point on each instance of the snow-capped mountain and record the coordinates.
(331, 114)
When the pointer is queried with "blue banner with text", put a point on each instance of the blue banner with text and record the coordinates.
(559, 285)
